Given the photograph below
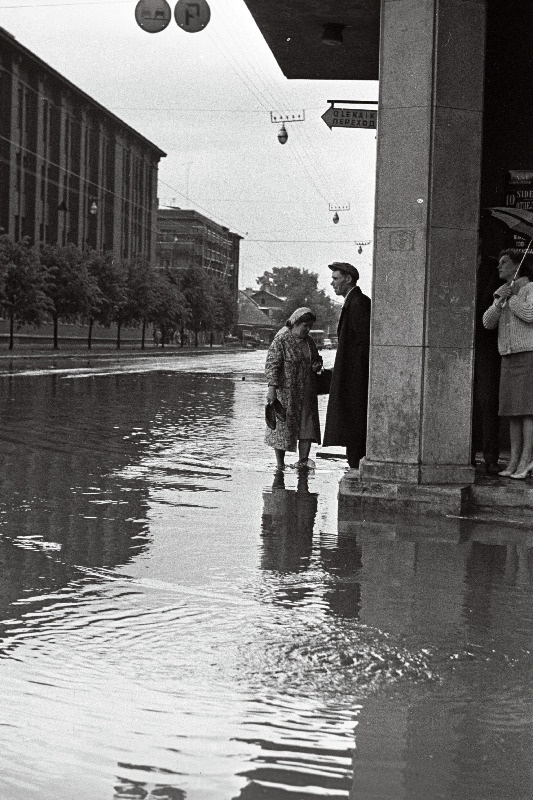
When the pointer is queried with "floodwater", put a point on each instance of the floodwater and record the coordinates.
(178, 621)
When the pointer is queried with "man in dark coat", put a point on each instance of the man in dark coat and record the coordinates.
(348, 397)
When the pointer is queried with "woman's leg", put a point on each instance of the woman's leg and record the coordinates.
(280, 458)
(304, 448)
(527, 444)
(516, 434)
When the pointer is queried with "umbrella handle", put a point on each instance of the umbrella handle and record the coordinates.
(521, 261)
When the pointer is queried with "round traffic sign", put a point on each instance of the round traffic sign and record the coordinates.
(153, 16)
(192, 15)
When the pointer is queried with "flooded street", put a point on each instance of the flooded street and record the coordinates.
(178, 621)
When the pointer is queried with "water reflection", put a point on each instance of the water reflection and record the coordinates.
(287, 525)
(459, 591)
(172, 628)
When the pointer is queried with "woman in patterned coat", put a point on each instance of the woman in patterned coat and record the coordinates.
(292, 360)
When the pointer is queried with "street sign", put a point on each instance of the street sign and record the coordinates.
(192, 15)
(291, 116)
(153, 16)
(350, 118)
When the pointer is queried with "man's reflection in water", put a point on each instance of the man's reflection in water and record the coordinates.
(287, 526)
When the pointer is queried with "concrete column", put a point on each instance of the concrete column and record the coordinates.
(427, 209)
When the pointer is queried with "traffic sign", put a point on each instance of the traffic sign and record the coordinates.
(192, 15)
(153, 16)
(350, 118)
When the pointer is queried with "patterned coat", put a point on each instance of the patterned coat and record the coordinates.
(286, 367)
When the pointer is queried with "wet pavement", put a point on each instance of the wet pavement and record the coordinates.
(179, 621)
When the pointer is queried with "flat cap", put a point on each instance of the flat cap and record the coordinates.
(343, 266)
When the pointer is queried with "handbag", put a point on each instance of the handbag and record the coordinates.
(323, 381)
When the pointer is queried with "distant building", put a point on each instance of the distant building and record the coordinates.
(253, 324)
(70, 170)
(186, 239)
(269, 303)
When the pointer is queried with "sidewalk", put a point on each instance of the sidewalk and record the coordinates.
(25, 353)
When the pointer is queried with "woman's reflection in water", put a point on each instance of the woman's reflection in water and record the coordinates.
(287, 528)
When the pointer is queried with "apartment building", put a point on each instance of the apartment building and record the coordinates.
(186, 238)
(70, 170)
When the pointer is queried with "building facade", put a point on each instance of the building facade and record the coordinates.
(186, 239)
(270, 304)
(70, 171)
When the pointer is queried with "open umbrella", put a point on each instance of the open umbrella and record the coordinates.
(518, 220)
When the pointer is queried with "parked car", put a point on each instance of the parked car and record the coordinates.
(327, 344)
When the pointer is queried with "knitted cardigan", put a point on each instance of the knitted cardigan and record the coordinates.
(514, 320)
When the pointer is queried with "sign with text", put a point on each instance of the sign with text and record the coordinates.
(192, 15)
(519, 194)
(350, 118)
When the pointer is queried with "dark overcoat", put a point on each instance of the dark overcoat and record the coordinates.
(348, 396)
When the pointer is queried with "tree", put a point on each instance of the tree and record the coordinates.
(141, 285)
(299, 287)
(111, 277)
(70, 287)
(198, 289)
(225, 316)
(169, 308)
(23, 283)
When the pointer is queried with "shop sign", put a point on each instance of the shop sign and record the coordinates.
(519, 194)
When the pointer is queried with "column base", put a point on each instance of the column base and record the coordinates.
(360, 496)
(417, 474)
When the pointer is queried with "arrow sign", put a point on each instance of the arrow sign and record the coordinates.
(350, 118)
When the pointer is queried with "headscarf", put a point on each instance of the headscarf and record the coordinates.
(297, 315)
(294, 318)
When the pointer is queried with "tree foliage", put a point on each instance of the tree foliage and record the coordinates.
(22, 284)
(299, 287)
(198, 289)
(169, 307)
(71, 288)
(69, 285)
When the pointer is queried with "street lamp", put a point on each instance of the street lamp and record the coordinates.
(93, 208)
(291, 116)
(361, 245)
(282, 134)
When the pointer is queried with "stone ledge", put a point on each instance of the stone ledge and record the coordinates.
(495, 499)
(417, 474)
(402, 497)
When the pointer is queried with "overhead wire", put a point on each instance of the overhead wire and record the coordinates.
(248, 83)
(55, 5)
(264, 79)
(269, 101)
(265, 98)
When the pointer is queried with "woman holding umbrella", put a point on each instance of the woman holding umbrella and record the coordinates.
(512, 313)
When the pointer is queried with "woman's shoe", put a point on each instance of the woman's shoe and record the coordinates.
(506, 473)
(520, 476)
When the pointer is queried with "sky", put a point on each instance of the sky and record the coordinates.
(205, 99)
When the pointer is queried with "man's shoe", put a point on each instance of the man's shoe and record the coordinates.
(492, 469)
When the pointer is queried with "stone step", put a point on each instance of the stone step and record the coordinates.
(494, 498)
